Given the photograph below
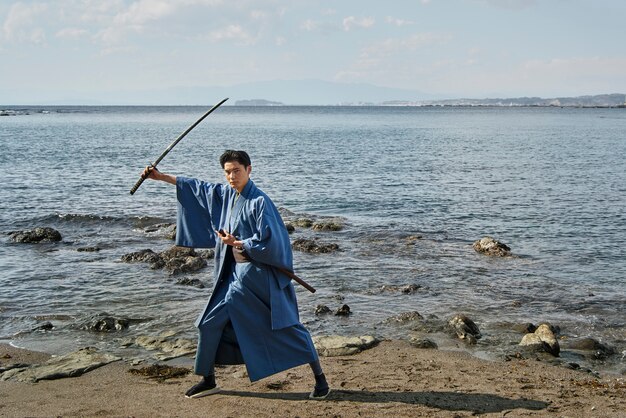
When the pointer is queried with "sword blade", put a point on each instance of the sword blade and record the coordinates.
(176, 141)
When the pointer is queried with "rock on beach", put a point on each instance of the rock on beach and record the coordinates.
(142, 256)
(167, 347)
(543, 339)
(322, 310)
(37, 235)
(70, 365)
(303, 222)
(335, 345)
(405, 317)
(407, 289)
(344, 310)
(103, 322)
(313, 222)
(590, 348)
(423, 343)
(313, 246)
(328, 225)
(491, 247)
(465, 328)
(175, 260)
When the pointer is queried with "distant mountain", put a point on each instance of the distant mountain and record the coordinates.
(288, 92)
(324, 93)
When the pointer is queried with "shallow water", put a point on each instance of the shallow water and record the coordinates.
(549, 182)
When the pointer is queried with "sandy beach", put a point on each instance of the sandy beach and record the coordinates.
(391, 379)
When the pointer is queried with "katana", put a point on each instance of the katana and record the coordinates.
(173, 144)
(289, 273)
(293, 276)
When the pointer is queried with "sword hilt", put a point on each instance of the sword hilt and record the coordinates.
(141, 180)
(136, 186)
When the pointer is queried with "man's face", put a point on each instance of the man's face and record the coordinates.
(237, 174)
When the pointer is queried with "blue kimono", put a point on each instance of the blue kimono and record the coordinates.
(252, 315)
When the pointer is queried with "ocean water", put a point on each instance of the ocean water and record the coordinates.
(414, 188)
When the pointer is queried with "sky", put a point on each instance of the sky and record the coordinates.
(60, 49)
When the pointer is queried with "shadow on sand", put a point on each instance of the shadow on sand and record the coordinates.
(451, 401)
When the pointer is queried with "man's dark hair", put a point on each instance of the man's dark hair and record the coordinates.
(241, 157)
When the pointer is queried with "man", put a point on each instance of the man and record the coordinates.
(252, 315)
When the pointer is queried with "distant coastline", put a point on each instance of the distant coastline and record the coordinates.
(257, 102)
(307, 93)
(615, 100)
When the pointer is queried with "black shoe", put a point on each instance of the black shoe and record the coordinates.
(202, 389)
(320, 393)
(321, 389)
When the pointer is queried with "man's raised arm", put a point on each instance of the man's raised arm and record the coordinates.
(154, 174)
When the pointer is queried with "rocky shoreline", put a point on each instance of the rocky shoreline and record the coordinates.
(538, 343)
(542, 342)
(377, 380)
(428, 372)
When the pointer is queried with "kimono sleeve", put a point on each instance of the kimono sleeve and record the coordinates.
(270, 243)
(198, 212)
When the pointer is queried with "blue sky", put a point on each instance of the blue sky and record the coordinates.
(450, 48)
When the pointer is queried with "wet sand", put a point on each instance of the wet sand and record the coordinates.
(392, 379)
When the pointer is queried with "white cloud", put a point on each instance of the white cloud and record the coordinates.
(144, 11)
(473, 63)
(351, 22)
(37, 36)
(398, 22)
(309, 25)
(111, 35)
(118, 20)
(232, 33)
(20, 24)
(402, 45)
(94, 11)
(71, 33)
(142, 14)
(111, 23)
(258, 14)
(117, 50)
